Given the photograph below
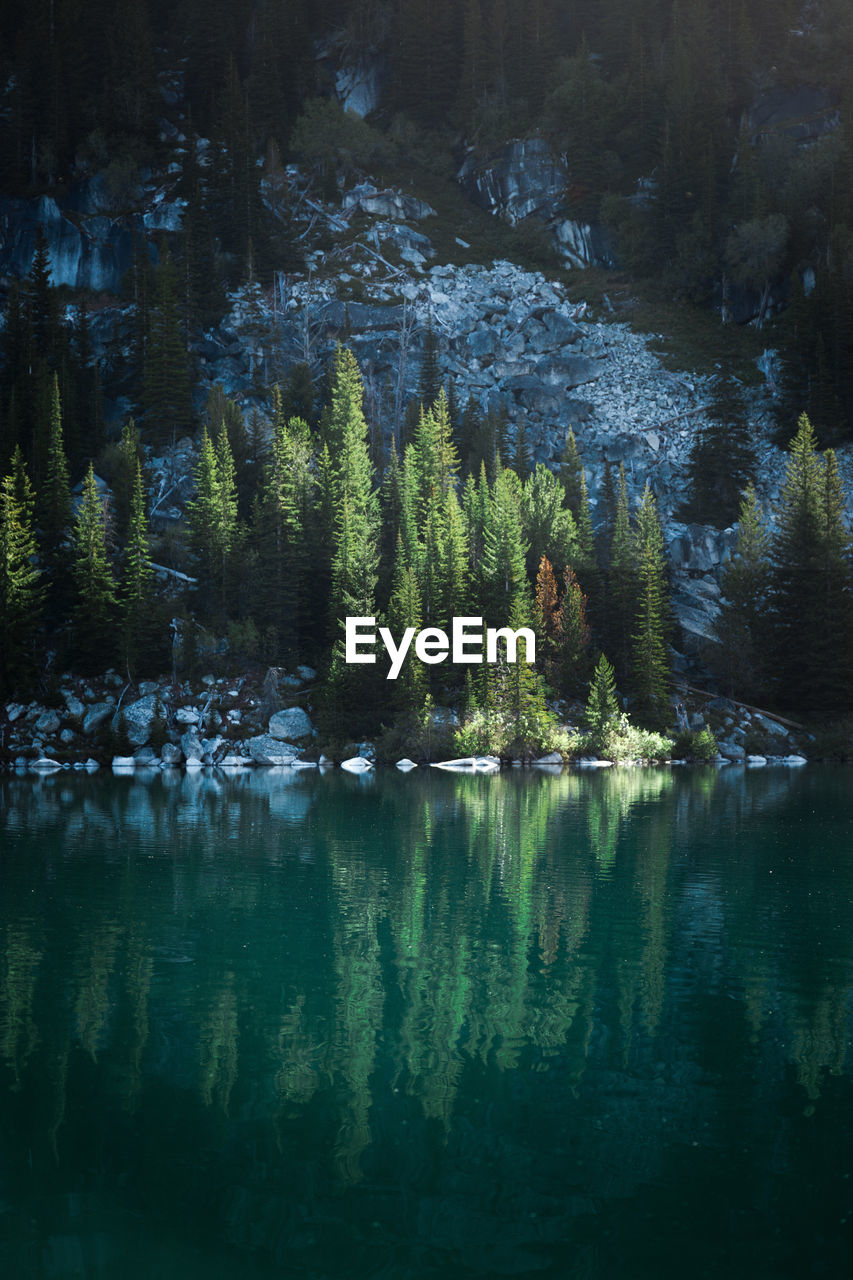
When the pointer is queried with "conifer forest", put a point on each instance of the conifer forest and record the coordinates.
(175, 181)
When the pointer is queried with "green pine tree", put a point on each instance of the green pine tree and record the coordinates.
(94, 614)
(137, 578)
(742, 624)
(602, 709)
(650, 665)
(21, 590)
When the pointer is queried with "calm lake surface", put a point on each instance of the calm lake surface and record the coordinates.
(401, 1027)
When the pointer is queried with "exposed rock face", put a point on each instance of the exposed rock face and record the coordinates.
(522, 178)
(525, 179)
(94, 255)
(290, 725)
(804, 114)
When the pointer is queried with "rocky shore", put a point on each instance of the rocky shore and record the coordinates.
(254, 722)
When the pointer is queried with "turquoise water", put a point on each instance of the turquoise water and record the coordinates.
(400, 1027)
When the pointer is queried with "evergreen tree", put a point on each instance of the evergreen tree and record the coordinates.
(810, 584)
(504, 550)
(742, 627)
(602, 709)
(137, 577)
(21, 591)
(549, 527)
(355, 542)
(570, 473)
(94, 614)
(573, 655)
(650, 666)
(522, 458)
(404, 610)
(213, 521)
(622, 584)
(168, 407)
(55, 492)
(547, 615)
(722, 459)
(429, 381)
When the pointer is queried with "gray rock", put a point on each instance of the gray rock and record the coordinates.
(406, 765)
(308, 674)
(522, 178)
(553, 757)
(357, 764)
(264, 749)
(290, 725)
(186, 715)
(123, 764)
(191, 746)
(44, 765)
(47, 723)
(67, 737)
(470, 764)
(73, 706)
(387, 204)
(138, 717)
(14, 710)
(171, 754)
(769, 725)
(96, 716)
(233, 762)
(145, 755)
(732, 751)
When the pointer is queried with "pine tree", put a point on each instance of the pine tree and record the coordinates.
(128, 459)
(549, 527)
(429, 380)
(810, 584)
(504, 551)
(570, 473)
(213, 521)
(650, 666)
(585, 562)
(522, 456)
(622, 584)
(168, 406)
(573, 653)
(355, 540)
(602, 709)
(21, 591)
(741, 627)
(547, 614)
(137, 577)
(55, 492)
(722, 459)
(404, 610)
(94, 614)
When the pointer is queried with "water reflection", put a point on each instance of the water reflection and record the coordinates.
(481, 1011)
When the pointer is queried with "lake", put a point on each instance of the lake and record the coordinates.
(579, 1024)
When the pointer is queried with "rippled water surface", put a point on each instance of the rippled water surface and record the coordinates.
(392, 1027)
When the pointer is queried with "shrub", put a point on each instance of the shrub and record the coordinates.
(690, 745)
